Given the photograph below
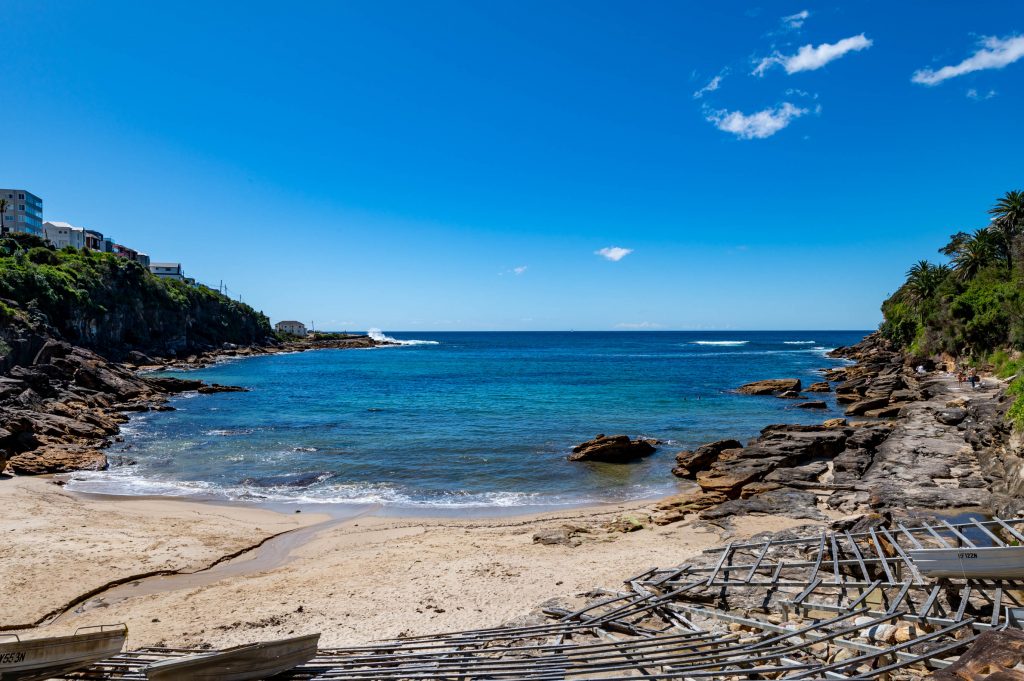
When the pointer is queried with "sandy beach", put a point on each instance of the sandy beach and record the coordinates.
(354, 580)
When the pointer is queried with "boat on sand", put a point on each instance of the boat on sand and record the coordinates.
(240, 663)
(44, 658)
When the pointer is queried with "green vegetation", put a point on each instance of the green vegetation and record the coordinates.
(972, 307)
(114, 305)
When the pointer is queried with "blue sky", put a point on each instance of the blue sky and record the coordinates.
(457, 165)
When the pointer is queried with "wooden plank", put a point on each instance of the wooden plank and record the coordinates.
(821, 555)
(942, 540)
(906, 559)
(909, 535)
(860, 559)
(721, 562)
(959, 535)
(996, 541)
(997, 601)
(899, 598)
(757, 563)
(1013, 533)
(881, 555)
(835, 556)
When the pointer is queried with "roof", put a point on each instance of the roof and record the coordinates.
(172, 265)
(60, 224)
(291, 322)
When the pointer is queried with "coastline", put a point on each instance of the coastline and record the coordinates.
(183, 572)
(355, 579)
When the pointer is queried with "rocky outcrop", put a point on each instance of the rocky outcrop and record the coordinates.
(57, 459)
(612, 449)
(995, 655)
(689, 462)
(770, 386)
(813, 404)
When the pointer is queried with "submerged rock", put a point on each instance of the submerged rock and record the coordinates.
(218, 388)
(612, 449)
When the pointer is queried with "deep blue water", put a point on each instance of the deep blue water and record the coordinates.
(472, 419)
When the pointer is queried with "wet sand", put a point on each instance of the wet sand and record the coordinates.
(356, 579)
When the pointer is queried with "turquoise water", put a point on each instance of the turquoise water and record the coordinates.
(463, 420)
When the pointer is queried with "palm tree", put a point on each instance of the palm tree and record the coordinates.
(923, 279)
(1008, 221)
(4, 205)
(973, 252)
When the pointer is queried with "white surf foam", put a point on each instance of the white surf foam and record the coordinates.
(798, 342)
(381, 337)
(723, 342)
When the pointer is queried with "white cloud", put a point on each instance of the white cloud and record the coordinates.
(813, 57)
(756, 125)
(613, 253)
(797, 20)
(638, 325)
(974, 94)
(515, 270)
(994, 53)
(715, 83)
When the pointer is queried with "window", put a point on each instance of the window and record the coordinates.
(21, 197)
(21, 208)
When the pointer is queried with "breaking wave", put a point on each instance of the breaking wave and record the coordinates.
(798, 342)
(381, 337)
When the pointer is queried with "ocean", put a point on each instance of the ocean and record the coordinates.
(468, 420)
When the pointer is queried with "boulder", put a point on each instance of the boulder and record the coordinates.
(951, 417)
(611, 449)
(790, 395)
(835, 423)
(821, 387)
(995, 654)
(813, 404)
(57, 459)
(702, 457)
(770, 386)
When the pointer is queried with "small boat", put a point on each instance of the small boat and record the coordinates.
(44, 658)
(974, 562)
(241, 663)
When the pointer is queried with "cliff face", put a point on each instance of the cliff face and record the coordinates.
(110, 305)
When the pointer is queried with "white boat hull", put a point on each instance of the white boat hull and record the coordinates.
(988, 561)
(43, 658)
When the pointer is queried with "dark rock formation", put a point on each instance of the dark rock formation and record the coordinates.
(611, 449)
(700, 458)
(218, 388)
(813, 404)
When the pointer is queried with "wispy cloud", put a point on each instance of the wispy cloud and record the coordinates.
(515, 270)
(994, 53)
(715, 83)
(638, 325)
(795, 21)
(756, 125)
(613, 253)
(813, 57)
(974, 94)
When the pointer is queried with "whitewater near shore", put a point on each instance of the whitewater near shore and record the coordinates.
(354, 580)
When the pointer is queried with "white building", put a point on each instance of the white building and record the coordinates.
(62, 234)
(291, 327)
(167, 270)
